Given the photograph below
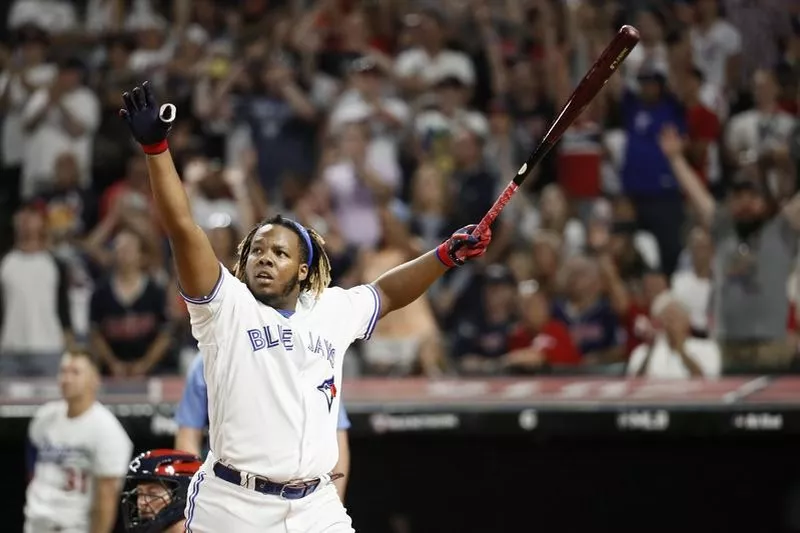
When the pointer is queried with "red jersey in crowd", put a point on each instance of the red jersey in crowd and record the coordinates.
(702, 125)
(553, 341)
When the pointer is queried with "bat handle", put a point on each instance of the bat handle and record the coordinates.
(498, 206)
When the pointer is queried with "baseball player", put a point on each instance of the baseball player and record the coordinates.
(192, 419)
(272, 335)
(156, 489)
(79, 454)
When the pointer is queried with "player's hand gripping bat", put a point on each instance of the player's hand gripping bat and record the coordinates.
(594, 80)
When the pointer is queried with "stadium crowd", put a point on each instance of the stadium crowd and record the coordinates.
(659, 237)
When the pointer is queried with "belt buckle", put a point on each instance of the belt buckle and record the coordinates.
(293, 485)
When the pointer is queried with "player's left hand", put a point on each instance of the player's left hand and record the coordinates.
(462, 246)
(149, 123)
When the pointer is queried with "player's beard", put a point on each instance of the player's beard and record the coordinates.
(279, 301)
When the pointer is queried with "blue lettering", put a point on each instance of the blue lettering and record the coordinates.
(286, 338)
(271, 341)
(256, 339)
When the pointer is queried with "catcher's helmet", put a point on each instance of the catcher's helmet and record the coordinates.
(155, 490)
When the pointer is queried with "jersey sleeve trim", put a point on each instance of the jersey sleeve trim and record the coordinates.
(376, 312)
(205, 299)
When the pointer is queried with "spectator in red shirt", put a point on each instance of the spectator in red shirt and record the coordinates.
(539, 341)
(703, 125)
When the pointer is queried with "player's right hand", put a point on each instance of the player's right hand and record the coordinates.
(149, 123)
(463, 246)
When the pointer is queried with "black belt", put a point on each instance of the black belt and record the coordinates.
(292, 490)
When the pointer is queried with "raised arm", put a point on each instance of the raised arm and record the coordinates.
(405, 283)
(197, 266)
(689, 181)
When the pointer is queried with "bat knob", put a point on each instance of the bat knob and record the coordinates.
(630, 31)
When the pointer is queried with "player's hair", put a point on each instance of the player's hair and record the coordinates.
(84, 354)
(319, 269)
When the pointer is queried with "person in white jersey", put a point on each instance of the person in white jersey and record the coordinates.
(272, 336)
(80, 454)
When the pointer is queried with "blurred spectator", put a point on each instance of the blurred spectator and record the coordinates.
(753, 133)
(429, 205)
(674, 353)
(276, 107)
(61, 118)
(71, 210)
(430, 60)
(154, 46)
(703, 127)
(216, 192)
(436, 128)
(130, 331)
(36, 322)
(365, 100)
(651, 52)
(691, 286)
(546, 254)
(358, 182)
(132, 190)
(646, 175)
(408, 341)
(630, 295)
(634, 250)
(27, 72)
(481, 338)
(755, 245)
(592, 323)
(554, 215)
(54, 16)
(763, 25)
(531, 104)
(539, 342)
(716, 45)
(682, 63)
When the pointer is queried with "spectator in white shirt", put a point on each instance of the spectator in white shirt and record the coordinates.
(418, 68)
(692, 286)
(357, 183)
(55, 16)
(674, 353)
(60, 118)
(448, 118)
(365, 100)
(651, 50)
(26, 73)
(757, 132)
(717, 45)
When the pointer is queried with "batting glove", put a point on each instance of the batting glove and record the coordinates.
(149, 123)
(463, 246)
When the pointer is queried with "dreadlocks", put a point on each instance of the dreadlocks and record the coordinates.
(319, 271)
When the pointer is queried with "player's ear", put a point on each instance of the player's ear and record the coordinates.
(302, 272)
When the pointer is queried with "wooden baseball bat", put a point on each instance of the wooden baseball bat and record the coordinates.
(594, 80)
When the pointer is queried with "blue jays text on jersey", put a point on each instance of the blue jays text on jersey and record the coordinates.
(273, 335)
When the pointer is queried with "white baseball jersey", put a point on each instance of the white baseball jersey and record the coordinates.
(70, 454)
(274, 377)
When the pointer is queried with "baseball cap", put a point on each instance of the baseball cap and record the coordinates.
(450, 81)
(364, 65)
(498, 274)
(652, 72)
